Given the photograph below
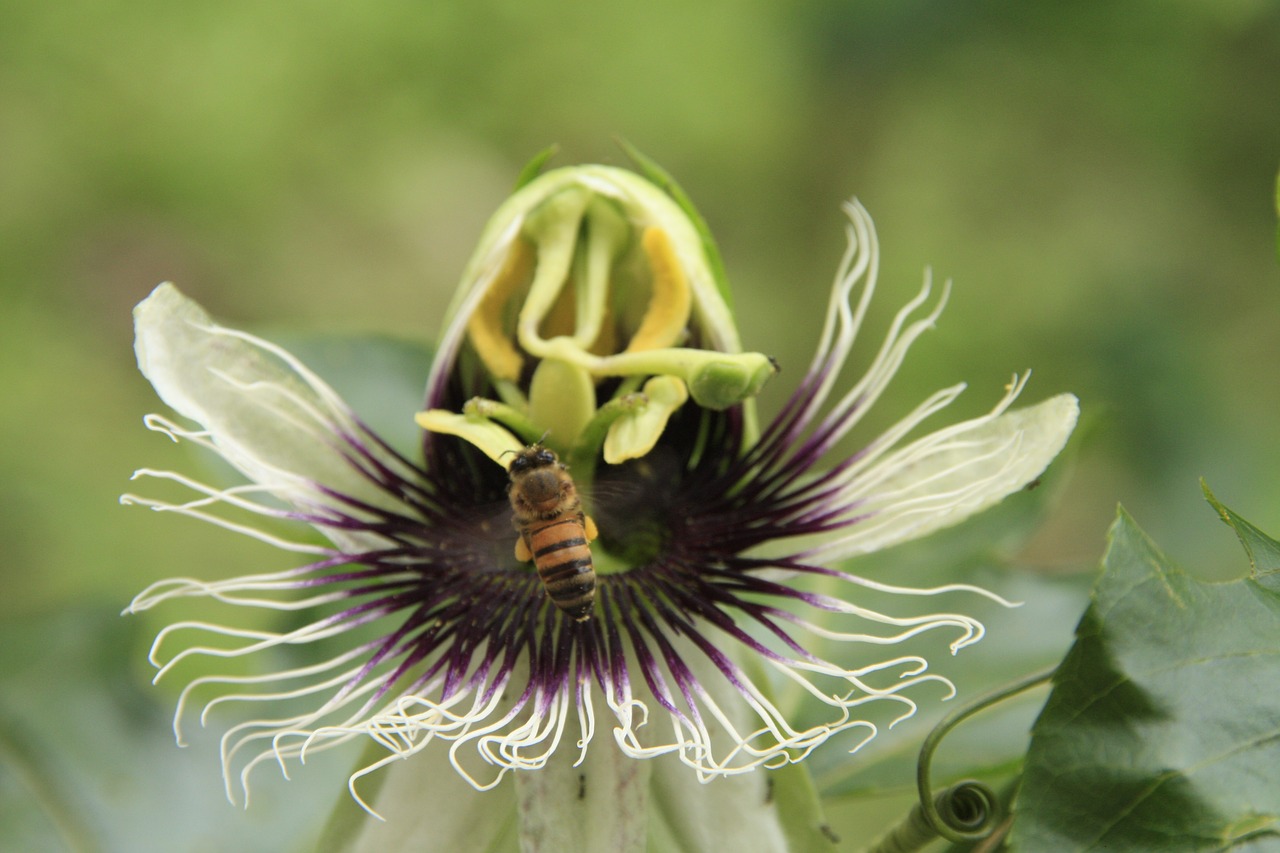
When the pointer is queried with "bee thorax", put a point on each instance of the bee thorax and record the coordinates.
(541, 487)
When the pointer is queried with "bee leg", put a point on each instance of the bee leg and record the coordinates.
(523, 554)
(589, 528)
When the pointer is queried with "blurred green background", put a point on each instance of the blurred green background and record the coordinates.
(1097, 179)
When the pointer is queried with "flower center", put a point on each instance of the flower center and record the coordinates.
(590, 315)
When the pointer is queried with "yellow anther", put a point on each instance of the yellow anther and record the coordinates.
(636, 432)
(668, 314)
(489, 327)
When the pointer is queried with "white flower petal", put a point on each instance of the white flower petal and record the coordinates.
(264, 412)
(728, 813)
(594, 801)
(708, 791)
(945, 477)
(426, 807)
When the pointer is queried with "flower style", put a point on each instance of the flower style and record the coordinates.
(593, 319)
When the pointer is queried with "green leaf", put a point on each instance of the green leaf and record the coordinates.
(1161, 732)
(1263, 551)
(87, 753)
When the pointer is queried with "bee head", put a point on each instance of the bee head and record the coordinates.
(537, 477)
(531, 458)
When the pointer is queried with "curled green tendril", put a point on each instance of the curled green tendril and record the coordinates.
(965, 812)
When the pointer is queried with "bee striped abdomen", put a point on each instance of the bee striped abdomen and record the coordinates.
(553, 530)
(563, 561)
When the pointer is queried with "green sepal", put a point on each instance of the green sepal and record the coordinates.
(800, 809)
(533, 168)
(663, 179)
(790, 790)
(346, 821)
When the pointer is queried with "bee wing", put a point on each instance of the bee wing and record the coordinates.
(491, 535)
(625, 495)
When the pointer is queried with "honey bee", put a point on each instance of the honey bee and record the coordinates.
(554, 531)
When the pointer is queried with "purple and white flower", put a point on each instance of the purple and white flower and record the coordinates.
(592, 318)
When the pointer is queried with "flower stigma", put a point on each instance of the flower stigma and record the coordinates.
(591, 338)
